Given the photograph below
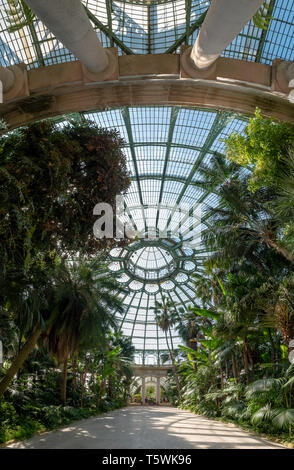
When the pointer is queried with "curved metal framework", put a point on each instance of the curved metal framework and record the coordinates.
(146, 27)
(164, 148)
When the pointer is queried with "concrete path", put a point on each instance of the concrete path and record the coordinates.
(150, 427)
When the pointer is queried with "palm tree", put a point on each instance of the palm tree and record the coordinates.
(283, 205)
(69, 308)
(28, 299)
(83, 307)
(275, 300)
(243, 223)
(118, 358)
(165, 316)
(188, 329)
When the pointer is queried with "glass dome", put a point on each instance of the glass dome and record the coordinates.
(151, 262)
(164, 148)
(164, 145)
(145, 27)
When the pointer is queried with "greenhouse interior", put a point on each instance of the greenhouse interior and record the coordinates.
(147, 224)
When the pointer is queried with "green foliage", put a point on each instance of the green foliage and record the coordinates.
(32, 403)
(232, 341)
(150, 391)
(51, 179)
(283, 418)
(260, 386)
(262, 17)
(233, 410)
(19, 15)
(82, 305)
(263, 414)
(33, 419)
(264, 405)
(262, 149)
(205, 313)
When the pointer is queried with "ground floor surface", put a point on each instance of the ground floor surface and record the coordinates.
(147, 427)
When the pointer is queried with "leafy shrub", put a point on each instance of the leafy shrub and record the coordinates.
(233, 410)
(8, 414)
(262, 148)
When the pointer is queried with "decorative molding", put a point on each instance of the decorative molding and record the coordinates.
(189, 69)
(143, 80)
(20, 87)
(283, 78)
(110, 73)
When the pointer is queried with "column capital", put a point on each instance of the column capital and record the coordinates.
(283, 77)
(111, 72)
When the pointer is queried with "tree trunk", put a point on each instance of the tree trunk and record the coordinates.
(221, 377)
(18, 349)
(250, 359)
(64, 381)
(174, 368)
(83, 382)
(285, 323)
(273, 349)
(74, 378)
(103, 388)
(20, 358)
(110, 387)
(280, 249)
(235, 368)
(246, 368)
(227, 370)
(246, 353)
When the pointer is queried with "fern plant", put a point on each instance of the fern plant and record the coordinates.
(278, 395)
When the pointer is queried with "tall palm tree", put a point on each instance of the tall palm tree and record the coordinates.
(243, 223)
(275, 301)
(189, 328)
(83, 307)
(69, 308)
(283, 205)
(118, 357)
(165, 316)
(28, 299)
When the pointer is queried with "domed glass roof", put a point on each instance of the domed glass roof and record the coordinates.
(164, 148)
(164, 145)
(144, 27)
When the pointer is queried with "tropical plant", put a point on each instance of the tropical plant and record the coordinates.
(51, 178)
(279, 400)
(48, 178)
(262, 149)
(82, 309)
(165, 316)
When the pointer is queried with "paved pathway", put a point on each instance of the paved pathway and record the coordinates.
(150, 427)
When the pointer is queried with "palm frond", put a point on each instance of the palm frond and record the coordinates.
(263, 414)
(283, 418)
(261, 386)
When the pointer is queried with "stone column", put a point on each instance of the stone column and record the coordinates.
(158, 391)
(7, 79)
(223, 22)
(143, 394)
(68, 21)
(13, 80)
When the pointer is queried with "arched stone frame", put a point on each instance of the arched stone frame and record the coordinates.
(150, 359)
(237, 86)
